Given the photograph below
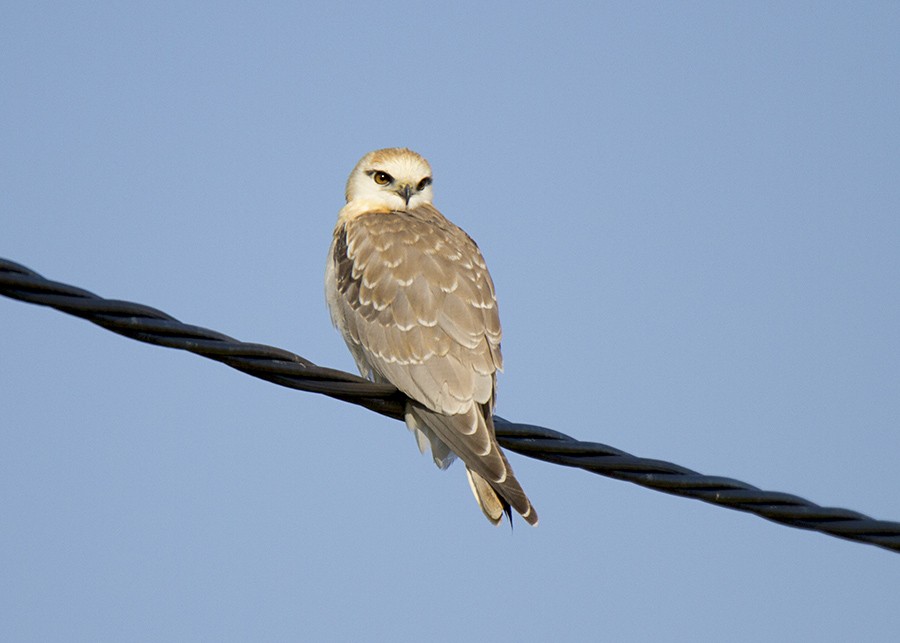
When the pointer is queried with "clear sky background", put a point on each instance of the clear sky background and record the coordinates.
(692, 215)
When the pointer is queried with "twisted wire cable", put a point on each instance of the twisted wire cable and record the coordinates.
(284, 368)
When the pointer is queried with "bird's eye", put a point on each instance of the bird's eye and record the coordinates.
(424, 183)
(382, 178)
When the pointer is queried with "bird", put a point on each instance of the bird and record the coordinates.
(411, 295)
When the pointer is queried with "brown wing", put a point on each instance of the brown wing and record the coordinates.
(414, 300)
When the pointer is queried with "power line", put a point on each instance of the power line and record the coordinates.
(284, 368)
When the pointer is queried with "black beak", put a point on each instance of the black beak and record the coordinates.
(406, 193)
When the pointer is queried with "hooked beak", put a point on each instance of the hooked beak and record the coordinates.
(405, 192)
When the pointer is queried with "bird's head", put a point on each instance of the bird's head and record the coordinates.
(394, 179)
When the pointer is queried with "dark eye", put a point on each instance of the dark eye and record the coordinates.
(424, 183)
(382, 178)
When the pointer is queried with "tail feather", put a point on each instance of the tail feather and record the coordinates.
(490, 475)
(492, 505)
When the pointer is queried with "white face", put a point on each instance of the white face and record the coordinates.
(393, 178)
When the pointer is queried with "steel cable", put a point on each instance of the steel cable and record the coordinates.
(284, 368)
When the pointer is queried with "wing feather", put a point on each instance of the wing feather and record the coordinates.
(408, 296)
(412, 296)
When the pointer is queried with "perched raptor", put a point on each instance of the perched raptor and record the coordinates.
(411, 295)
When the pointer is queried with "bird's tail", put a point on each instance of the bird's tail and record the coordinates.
(505, 494)
(492, 505)
(470, 436)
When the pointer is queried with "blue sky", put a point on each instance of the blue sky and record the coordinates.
(690, 211)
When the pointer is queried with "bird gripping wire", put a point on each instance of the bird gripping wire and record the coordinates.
(284, 368)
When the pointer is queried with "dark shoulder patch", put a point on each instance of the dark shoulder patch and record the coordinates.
(343, 264)
(340, 246)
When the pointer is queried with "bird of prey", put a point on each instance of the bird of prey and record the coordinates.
(412, 297)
